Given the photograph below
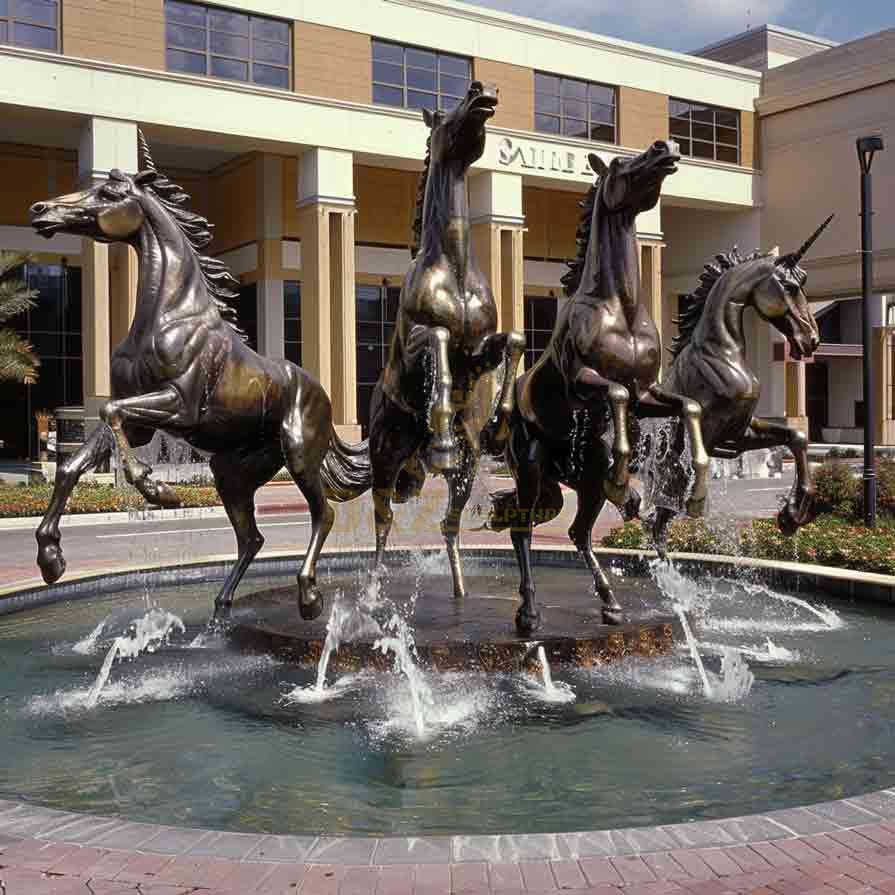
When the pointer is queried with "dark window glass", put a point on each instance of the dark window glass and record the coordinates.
(4, 32)
(418, 79)
(376, 310)
(205, 40)
(38, 12)
(33, 36)
(292, 320)
(575, 108)
(705, 131)
(540, 318)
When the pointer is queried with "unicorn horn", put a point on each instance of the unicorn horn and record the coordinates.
(793, 258)
(144, 156)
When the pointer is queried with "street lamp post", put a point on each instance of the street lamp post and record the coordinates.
(867, 146)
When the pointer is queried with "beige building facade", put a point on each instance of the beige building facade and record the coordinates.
(296, 129)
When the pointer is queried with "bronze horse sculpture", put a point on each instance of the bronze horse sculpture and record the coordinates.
(433, 398)
(185, 369)
(710, 367)
(601, 366)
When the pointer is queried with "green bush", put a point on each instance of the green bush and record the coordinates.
(829, 541)
(837, 488)
(33, 500)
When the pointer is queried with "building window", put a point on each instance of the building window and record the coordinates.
(418, 79)
(574, 108)
(377, 309)
(204, 40)
(292, 321)
(30, 23)
(705, 131)
(540, 318)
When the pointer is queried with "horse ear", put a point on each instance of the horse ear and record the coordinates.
(144, 178)
(429, 118)
(598, 166)
(775, 252)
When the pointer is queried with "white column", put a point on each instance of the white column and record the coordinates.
(269, 197)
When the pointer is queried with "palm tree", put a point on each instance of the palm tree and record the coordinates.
(18, 362)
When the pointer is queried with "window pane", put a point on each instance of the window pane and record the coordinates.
(369, 304)
(547, 104)
(291, 299)
(600, 114)
(417, 100)
(678, 107)
(32, 36)
(4, 36)
(4, 7)
(679, 127)
(369, 333)
(703, 150)
(229, 45)
(605, 133)
(727, 117)
(448, 103)
(232, 22)
(385, 52)
(728, 154)
(292, 350)
(420, 58)
(574, 127)
(727, 135)
(421, 79)
(38, 11)
(269, 29)
(187, 62)
(575, 89)
(703, 131)
(703, 113)
(602, 94)
(265, 51)
(388, 73)
(684, 147)
(189, 13)
(453, 86)
(454, 65)
(574, 108)
(229, 68)
(546, 84)
(388, 96)
(543, 313)
(183, 36)
(269, 75)
(547, 124)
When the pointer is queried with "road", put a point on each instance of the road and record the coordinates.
(284, 529)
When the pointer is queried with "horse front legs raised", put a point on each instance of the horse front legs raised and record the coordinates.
(657, 402)
(590, 387)
(154, 410)
(431, 344)
(94, 452)
(504, 349)
(800, 508)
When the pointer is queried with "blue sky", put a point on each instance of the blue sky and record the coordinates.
(690, 24)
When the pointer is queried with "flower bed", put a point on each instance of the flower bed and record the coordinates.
(33, 500)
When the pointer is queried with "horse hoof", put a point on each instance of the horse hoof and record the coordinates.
(696, 508)
(51, 563)
(787, 522)
(612, 615)
(310, 603)
(165, 496)
(527, 622)
(615, 494)
(631, 508)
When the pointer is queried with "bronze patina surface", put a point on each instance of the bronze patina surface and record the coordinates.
(433, 398)
(471, 634)
(710, 367)
(598, 373)
(185, 369)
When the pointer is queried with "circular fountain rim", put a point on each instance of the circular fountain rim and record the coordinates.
(47, 825)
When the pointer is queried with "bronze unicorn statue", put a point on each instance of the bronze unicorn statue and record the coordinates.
(710, 367)
(599, 370)
(184, 368)
(433, 398)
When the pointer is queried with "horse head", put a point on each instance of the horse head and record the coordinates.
(110, 211)
(633, 185)
(780, 299)
(458, 136)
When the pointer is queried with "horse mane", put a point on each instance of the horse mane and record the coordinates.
(421, 200)
(693, 304)
(572, 279)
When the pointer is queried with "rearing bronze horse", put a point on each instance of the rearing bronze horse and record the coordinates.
(432, 400)
(604, 353)
(186, 370)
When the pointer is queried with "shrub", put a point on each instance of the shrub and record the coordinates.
(837, 488)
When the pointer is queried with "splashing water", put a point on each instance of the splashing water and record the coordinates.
(736, 678)
(146, 634)
(550, 690)
(87, 645)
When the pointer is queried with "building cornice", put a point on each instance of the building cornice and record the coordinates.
(768, 29)
(581, 38)
(830, 88)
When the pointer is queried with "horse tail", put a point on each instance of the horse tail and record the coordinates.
(347, 471)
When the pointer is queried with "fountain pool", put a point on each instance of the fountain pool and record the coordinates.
(800, 708)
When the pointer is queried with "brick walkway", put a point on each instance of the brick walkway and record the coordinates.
(760, 855)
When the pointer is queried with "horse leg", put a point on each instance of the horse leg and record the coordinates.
(237, 476)
(799, 508)
(497, 349)
(459, 488)
(662, 517)
(155, 410)
(591, 387)
(95, 451)
(657, 402)
(590, 501)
